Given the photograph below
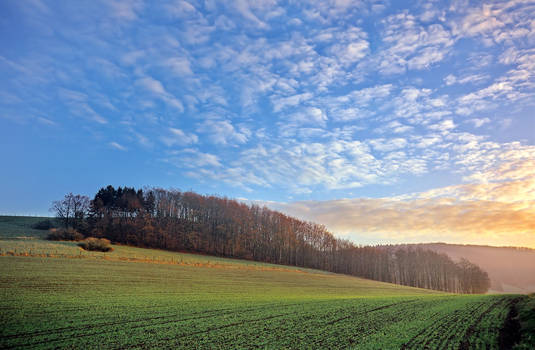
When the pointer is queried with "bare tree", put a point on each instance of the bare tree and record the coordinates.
(71, 210)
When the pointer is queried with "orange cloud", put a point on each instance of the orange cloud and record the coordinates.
(496, 213)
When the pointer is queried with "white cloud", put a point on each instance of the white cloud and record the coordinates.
(468, 79)
(180, 66)
(398, 128)
(444, 126)
(45, 121)
(280, 103)
(310, 115)
(256, 12)
(348, 114)
(180, 9)
(223, 132)
(179, 137)
(349, 46)
(412, 46)
(450, 79)
(479, 20)
(156, 87)
(193, 158)
(479, 122)
(152, 85)
(386, 145)
(125, 9)
(497, 22)
(426, 57)
(330, 165)
(132, 57)
(117, 146)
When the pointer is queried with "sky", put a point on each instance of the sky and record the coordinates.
(386, 121)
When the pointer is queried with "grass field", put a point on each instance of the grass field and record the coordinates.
(20, 227)
(140, 298)
(83, 303)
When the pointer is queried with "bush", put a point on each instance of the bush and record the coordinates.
(62, 234)
(96, 244)
(44, 225)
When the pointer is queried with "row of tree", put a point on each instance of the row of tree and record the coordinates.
(187, 221)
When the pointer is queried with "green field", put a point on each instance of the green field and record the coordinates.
(60, 297)
(20, 227)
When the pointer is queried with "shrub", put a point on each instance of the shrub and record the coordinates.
(43, 225)
(96, 244)
(69, 234)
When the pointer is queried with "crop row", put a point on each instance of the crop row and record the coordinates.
(433, 322)
(70, 303)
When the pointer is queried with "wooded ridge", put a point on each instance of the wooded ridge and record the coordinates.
(187, 221)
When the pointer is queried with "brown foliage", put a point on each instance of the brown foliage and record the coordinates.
(96, 244)
(62, 234)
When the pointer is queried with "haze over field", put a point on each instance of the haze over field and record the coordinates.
(510, 270)
(388, 123)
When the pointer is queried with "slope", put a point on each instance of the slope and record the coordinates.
(98, 303)
(511, 270)
(60, 297)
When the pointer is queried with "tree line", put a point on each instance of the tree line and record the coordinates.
(187, 221)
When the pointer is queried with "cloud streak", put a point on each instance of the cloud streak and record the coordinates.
(499, 214)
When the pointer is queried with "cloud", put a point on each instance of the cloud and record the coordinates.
(125, 9)
(132, 57)
(179, 137)
(384, 145)
(499, 213)
(443, 126)
(152, 85)
(334, 164)
(279, 103)
(469, 79)
(310, 115)
(308, 94)
(499, 21)
(479, 122)
(511, 165)
(397, 127)
(223, 132)
(193, 159)
(142, 139)
(480, 20)
(180, 66)
(410, 45)
(245, 8)
(181, 9)
(156, 87)
(78, 104)
(366, 95)
(349, 46)
(45, 121)
(118, 146)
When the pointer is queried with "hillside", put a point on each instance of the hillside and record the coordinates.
(114, 302)
(187, 221)
(147, 298)
(20, 226)
(511, 270)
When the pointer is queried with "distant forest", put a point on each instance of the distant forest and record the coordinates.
(187, 221)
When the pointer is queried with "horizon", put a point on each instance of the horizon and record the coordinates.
(370, 243)
(396, 123)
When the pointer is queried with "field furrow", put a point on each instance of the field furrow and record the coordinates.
(94, 304)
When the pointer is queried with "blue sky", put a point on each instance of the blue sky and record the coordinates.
(296, 104)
